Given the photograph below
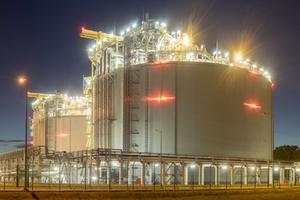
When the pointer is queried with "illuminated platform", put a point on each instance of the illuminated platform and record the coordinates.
(112, 166)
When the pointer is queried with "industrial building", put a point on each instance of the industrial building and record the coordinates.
(156, 109)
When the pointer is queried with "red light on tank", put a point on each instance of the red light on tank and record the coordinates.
(153, 99)
(62, 135)
(162, 98)
(252, 105)
(167, 98)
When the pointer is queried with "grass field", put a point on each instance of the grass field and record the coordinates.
(219, 194)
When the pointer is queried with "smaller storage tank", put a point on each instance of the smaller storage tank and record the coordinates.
(60, 122)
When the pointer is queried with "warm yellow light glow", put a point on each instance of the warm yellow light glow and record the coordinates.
(22, 80)
(186, 40)
(238, 57)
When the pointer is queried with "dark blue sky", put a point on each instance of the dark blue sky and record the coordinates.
(40, 40)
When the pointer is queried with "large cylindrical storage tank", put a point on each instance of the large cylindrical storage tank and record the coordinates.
(201, 108)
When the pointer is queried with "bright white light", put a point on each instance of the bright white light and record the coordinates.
(134, 25)
(94, 178)
(156, 23)
(254, 66)
(90, 49)
(238, 57)
(178, 32)
(230, 64)
(226, 55)
(186, 40)
(104, 39)
(261, 69)
(297, 169)
(122, 33)
(266, 73)
(224, 167)
(219, 52)
(252, 168)
(56, 168)
(247, 60)
(173, 33)
(94, 46)
(276, 168)
(193, 166)
(215, 53)
(163, 24)
(128, 29)
(156, 165)
(269, 76)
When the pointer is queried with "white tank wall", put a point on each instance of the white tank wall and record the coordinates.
(212, 118)
(162, 112)
(117, 126)
(38, 131)
(207, 116)
(67, 133)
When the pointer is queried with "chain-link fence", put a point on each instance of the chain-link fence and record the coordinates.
(125, 175)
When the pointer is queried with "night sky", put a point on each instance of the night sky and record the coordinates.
(40, 40)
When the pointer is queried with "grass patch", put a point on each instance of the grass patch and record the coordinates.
(247, 194)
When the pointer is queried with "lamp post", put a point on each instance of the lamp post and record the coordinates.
(272, 145)
(160, 141)
(23, 80)
(160, 156)
(268, 159)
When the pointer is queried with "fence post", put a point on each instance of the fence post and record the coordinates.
(17, 176)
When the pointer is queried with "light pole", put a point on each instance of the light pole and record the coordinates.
(272, 145)
(160, 156)
(268, 159)
(160, 141)
(23, 80)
